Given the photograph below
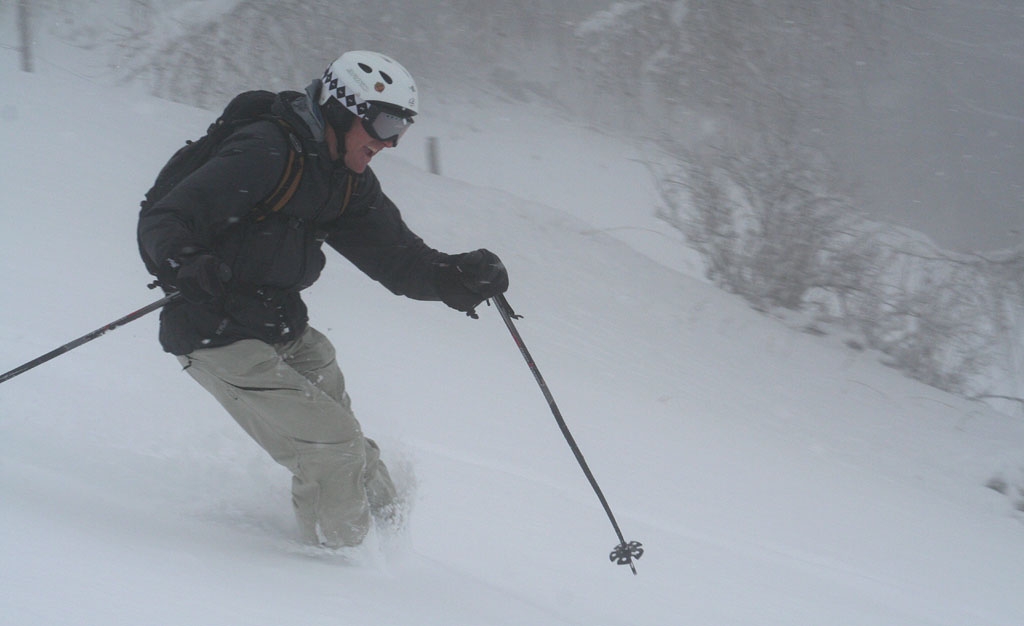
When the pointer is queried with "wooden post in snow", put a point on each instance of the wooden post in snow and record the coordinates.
(25, 36)
(434, 155)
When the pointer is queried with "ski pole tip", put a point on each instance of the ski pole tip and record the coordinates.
(626, 553)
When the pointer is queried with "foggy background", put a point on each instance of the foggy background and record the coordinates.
(937, 140)
(919, 106)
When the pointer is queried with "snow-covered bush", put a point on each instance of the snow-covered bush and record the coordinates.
(763, 214)
(768, 227)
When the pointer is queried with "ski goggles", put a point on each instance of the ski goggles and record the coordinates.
(386, 125)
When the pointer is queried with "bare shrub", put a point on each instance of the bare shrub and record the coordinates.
(763, 217)
(768, 228)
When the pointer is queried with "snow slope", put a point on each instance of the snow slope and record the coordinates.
(774, 477)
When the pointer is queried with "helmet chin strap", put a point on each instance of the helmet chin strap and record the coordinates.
(335, 143)
(339, 120)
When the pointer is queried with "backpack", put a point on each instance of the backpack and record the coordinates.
(245, 108)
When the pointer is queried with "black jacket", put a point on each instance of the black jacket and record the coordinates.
(274, 258)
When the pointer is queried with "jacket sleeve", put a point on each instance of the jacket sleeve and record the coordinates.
(223, 190)
(372, 235)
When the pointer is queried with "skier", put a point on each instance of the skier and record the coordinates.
(241, 329)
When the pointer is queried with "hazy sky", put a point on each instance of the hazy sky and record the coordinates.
(933, 135)
(940, 142)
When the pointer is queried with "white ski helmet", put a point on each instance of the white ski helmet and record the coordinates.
(375, 88)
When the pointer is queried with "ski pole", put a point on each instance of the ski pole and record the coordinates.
(99, 332)
(626, 552)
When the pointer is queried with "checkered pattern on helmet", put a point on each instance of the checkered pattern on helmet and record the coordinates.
(351, 101)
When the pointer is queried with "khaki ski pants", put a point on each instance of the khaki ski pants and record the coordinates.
(291, 399)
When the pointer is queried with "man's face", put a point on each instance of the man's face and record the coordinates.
(360, 147)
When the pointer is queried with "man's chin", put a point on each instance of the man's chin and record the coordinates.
(357, 167)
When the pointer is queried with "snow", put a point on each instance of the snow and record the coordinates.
(774, 477)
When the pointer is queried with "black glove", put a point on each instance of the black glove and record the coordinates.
(482, 272)
(203, 278)
(472, 278)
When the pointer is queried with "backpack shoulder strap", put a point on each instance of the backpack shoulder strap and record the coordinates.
(290, 178)
(350, 185)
